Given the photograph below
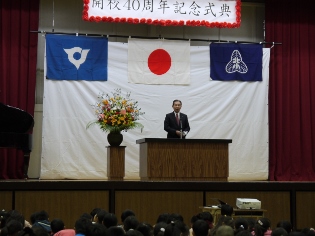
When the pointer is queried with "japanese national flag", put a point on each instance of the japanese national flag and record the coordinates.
(158, 61)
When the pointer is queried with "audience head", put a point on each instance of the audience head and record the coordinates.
(226, 220)
(94, 213)
(177, 228)
(223, 220)
(163, 217)
(200, 228)
(109, 220)
(183, 228)
(97, 230)
(206, 216)
(82, 226)
(286, 225)
(41, 216)
(14, 227)
(261, 226)
(56, 225)
(159, 229)
(130, 222)
(279, 231)
(15, 215)
(145, 229)
(126, 213)
(241, 224)
(172, 230)
(99, 217)
(226, 210)
(225, 230)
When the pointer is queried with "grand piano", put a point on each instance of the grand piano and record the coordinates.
(16, 126)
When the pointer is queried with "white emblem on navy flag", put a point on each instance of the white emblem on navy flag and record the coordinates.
(236, 64)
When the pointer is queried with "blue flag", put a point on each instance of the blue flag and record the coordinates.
(232, 61)
(76, 57)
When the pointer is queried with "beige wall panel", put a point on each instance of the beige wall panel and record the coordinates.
(305, 208)
(277, 204)
(5, 200)
(148, 205)
(66, 205)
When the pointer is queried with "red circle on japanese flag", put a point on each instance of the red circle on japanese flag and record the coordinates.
(159, 61)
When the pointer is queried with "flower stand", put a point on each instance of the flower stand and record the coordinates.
(116, 162)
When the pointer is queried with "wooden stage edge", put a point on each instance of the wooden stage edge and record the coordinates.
(35, 184)
(295, 199)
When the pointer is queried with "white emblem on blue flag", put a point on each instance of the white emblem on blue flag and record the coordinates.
(236, 64)
(76, 57)
(81, 60)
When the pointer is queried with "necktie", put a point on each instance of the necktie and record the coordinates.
(177, 120)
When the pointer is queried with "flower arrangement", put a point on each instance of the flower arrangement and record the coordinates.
(116, 113)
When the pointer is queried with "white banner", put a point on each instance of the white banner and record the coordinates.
(214, 13)
(216, 110)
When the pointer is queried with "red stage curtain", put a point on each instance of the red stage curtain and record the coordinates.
(292, 90)
(18, 55)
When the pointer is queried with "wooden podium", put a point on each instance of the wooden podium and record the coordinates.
(164, 159)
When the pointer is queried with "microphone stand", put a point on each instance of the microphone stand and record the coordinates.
(181, 129)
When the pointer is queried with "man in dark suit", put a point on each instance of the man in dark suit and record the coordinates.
(176, 124)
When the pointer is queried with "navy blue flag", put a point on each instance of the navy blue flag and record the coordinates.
(76, 57)
(232, 61)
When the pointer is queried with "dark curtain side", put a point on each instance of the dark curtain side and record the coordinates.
(18, 52)
(292, 90)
